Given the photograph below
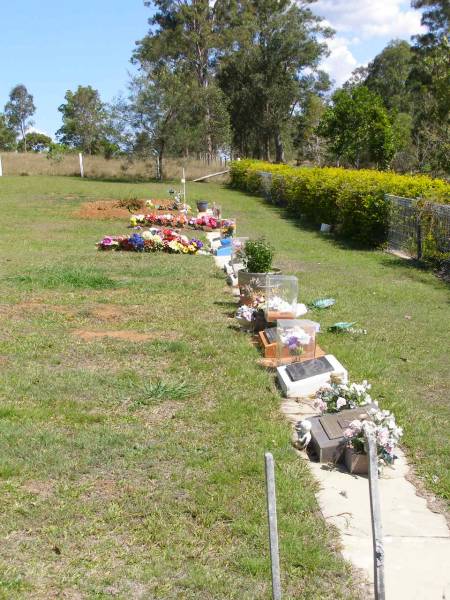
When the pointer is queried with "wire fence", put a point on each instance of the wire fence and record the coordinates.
(420, 230)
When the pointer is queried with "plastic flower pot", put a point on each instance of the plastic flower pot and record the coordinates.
(356, 463)
(202, 206)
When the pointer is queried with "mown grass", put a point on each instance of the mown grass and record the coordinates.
(135, 469)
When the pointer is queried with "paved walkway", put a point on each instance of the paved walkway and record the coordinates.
(416, 540)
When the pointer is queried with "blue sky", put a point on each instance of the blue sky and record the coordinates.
(55, 45)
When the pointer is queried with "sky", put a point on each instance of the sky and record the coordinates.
(52, 46)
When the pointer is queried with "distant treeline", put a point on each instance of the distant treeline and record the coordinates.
(243, 78)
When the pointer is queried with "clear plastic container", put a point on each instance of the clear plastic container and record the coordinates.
(296, 340)
(281, 297)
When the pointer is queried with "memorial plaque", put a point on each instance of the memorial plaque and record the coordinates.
(271, 335)
(327, 433)
(310, 368)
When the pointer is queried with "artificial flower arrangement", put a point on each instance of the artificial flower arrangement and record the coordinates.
(251, 316)
(166, 220)
(228, 228)
(295, 339)
(334, 397)
(205, 222)
(165, 240)
(381, 424)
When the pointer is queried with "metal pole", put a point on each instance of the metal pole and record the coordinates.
(1, 168)
(273, 528)
(80, 156)
(377, 532)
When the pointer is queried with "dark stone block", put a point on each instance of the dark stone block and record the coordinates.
(310, 368)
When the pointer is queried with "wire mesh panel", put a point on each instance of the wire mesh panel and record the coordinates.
(403, 225)
(419, 229)
(266, 185)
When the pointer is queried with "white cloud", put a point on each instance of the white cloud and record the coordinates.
(341, 62)
(370, 18)
(361, 22)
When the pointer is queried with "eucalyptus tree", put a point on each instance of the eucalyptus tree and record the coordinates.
(264, 72)
(19, 110)
(184, 40)
(85, 120)
(430, 85)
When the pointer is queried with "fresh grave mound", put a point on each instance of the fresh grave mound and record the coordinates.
(104, 209)
(153, 240)
(120, 209)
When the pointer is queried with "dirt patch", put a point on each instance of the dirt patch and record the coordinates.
(103, 210)
(129, 336)
(43, 489)
(106, 313)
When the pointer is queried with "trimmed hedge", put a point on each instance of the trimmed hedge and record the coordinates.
(353, 201)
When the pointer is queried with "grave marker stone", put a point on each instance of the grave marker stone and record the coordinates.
(305, 378)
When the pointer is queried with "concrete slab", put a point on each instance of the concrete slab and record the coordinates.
(416, 540)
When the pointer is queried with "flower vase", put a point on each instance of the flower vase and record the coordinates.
(356, 462)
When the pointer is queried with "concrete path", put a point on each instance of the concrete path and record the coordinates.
(416, 540)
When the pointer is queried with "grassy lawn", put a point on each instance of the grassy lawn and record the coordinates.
(134, 469)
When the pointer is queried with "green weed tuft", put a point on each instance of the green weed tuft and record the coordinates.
(64, 277)
(158, 391)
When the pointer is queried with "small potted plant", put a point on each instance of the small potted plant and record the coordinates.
(257, 259)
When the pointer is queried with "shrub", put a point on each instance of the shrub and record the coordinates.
(352, 200)
(258, 256)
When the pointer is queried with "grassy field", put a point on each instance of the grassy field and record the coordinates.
(134, 469)
(97, 167)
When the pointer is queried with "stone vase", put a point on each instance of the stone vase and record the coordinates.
(356, 463)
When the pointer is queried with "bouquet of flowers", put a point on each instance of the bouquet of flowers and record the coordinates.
(204, 222)
(381, 423)
(228, 227)
(166, 220)
(294, 339)
(165, 240)
(247, 314)
(334, 397)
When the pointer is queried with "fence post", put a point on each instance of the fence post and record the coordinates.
(419, 236)
(80, 156)
(377, 532)
(273, 528)
(1, 168)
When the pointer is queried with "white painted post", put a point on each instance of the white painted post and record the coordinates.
(273, 528)
(377, 532)
(183, 181)
(80, 156)
(1, 168)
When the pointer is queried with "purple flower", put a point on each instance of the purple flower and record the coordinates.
(293, 343)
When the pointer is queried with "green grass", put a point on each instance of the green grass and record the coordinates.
(134, 470)
(58, 276)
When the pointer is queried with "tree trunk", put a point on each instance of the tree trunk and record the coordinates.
(22, 128)
(279, 147)
(160, 161)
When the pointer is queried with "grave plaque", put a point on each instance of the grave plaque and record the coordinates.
(327, 433)
(271, 334)
(310, 368)
(301, 379)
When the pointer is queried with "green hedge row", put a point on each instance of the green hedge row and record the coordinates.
(353, 201)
